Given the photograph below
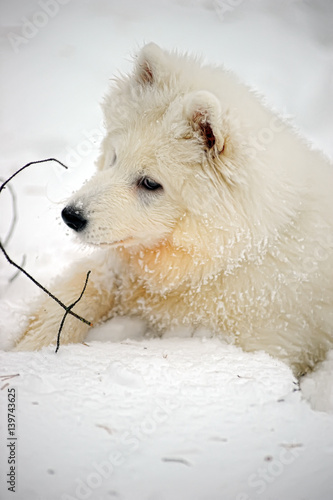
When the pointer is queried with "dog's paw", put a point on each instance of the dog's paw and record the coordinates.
(43, 330)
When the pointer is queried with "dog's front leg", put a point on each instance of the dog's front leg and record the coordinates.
(97, 302)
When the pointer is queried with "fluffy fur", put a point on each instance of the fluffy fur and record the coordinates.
(236, 237)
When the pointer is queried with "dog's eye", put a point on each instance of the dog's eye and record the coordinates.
(113, 159)
(149, 184)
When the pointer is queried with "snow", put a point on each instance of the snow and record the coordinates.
(128, 416)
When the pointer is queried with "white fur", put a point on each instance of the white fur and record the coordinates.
(240, 237)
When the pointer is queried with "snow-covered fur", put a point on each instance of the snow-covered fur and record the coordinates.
(209, 210)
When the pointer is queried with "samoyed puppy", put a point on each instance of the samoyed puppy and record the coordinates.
(206, 210)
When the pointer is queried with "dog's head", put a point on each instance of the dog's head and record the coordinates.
(166, 159)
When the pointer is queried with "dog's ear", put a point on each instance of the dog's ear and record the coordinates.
(202, 109)
(149, 64)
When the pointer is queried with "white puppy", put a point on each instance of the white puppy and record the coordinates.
(208, 210)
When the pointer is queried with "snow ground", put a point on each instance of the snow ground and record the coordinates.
(129, 417)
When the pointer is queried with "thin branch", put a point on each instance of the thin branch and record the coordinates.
(69, 310)
(8, 377)
(14, 216)
(28, 165)
(12, 227)
(41, 286)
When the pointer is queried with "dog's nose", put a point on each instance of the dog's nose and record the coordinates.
(74, 218)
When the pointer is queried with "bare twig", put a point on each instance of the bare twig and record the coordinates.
(68, 309)
(12, 227)
(8, 377)
(14, 216)
(28, 165)
(41, 286)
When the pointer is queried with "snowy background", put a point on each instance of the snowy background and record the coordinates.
(127, 417)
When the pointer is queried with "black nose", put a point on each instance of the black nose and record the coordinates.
(74, 218)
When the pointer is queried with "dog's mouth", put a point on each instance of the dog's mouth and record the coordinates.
(126, 242)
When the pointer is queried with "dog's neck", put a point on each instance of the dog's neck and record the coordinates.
(187, 261)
